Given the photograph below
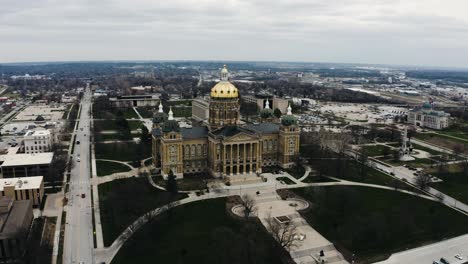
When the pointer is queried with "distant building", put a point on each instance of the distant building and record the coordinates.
(427, 117)
(260, 101)
(37, 141)
(15, 221)
(26, 165)
(30, 188)
(200, 109)
(134, 101)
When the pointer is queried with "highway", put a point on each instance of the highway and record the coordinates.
(78, 243)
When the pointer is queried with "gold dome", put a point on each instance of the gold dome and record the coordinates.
(224, 89)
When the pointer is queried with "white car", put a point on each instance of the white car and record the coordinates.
(457, 256)
(78, 159)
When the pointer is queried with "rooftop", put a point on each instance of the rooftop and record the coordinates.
(22, 183)
(264, 128)
(36, 133)
(194, 132)
(12, 220)
(28, 159)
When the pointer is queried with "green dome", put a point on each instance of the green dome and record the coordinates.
(427, 106)
(266, 113)
(159, 118)
(170, 126)
(289, 120)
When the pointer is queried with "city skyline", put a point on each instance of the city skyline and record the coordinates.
(420, 33)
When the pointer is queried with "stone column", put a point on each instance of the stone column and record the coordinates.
(230, 159)
(223, 158)
(244, 158)
(237, 158)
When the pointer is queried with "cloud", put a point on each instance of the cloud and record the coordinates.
(367, 31)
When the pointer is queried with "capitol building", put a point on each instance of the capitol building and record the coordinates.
(224, 148)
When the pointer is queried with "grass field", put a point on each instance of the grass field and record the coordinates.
(442, 141)
(128, 113)
(114, 137)
(122, 151)
(107, 167)
(377, 150)
(455, 182)
(374, 223)
(103, 125)
(351, 170)
(123, 201)
(418, 163)
(200, 232)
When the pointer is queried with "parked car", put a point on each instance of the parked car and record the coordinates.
(77, 142)
(83, 195)
(444, 261)
(457, 256)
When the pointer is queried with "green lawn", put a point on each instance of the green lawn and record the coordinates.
(442, 140)
(185, 184)
(200, 232)
(296, 171)
(109, 124)
(146, 112)
(377, 150)
(108, 137)
(122, 151)
(316, 179)
(352, 171)
(455, 182)
(428, 150)
(129, 113)
(122, 201)
(418, 163)
(182, 111)
(373, 223)
(107, 167)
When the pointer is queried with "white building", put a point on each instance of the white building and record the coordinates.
(37, 141)
(427, 117)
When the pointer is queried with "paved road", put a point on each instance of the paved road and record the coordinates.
(78, 244)
(425, 255)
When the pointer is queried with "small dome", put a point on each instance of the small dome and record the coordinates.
(159, 117)
(289, 120)
(427, 106)
(170, 126)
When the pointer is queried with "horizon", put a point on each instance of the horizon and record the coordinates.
(397, 66)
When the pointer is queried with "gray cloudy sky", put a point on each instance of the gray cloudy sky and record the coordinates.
(415, 32)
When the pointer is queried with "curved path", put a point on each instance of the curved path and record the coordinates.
(107, 254)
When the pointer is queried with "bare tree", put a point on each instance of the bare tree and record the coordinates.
(249, 205)
(285, 233)
(458, 149)
(422, 181)
(342, 142)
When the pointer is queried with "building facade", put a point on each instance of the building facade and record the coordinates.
(15, 222)
(30, 188)
(224, 148)
(427, 117)
(26, 165)
(37, 141)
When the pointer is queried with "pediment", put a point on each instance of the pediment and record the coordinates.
(242, 136)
